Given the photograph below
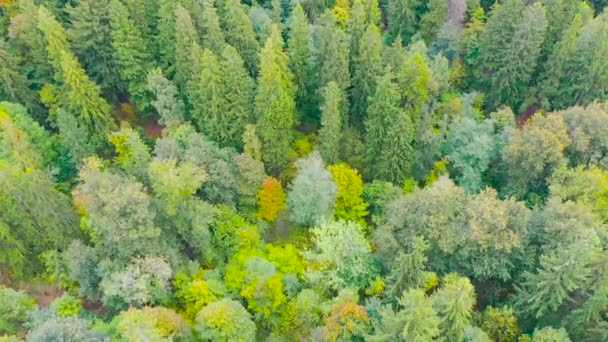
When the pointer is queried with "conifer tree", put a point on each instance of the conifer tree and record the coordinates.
(186, 48)
(299, 54)
(91, 39)
(55, 37)
(239, 32)
(238, 93)
(208, 24)
(14, 86)
(208, 103)
(363, 14)
(167, 104)
(274, 102)
(454, 303)
(432, 20)
(402, 19)
(131, 54)
(82, 96)
(331, 55)
(74, 136)
(330, 132)
(167, 24)
(388, 133)
(252, 146)
(367, 71)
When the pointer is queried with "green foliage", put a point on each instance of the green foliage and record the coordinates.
(271, 199)
(454, 303)
(167, 103)
(369, 68)
(225, 320)
(14, 306)
(69, 329)
(274, 102)
(133, 155)
(154, 324)
(550, 334)
(500, 324)
(312, 194)
(66, 305)
(349, 203)
(239, 33)
(299, 55)
(332, 117)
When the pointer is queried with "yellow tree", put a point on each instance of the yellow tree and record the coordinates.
(349, 203)
(271, 199)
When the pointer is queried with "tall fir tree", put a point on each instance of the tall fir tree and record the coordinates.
(186, 40)
(239, 32)
(432, 20)
(331, 56)
(362, 14)
(14, 86)
(369, 67)
(55, 37)
(208, 103)
(208, 24)
(388, 134)
(403, 17)
(167, 35)
(238, 93)
(330, 132)
(168, 104)
(91, 38)
(131, 54)
(274, 102)
(299, 55)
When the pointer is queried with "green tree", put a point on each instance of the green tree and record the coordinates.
(238, 93)
(454, 303)
(91, 38)
(500, 324)
(369, 68)
(55, 37)
(14, 86)
(132, 154)
(13, 310)
(186, 48)
(239, 32)
(167, 27)
(167, 102)
(208, 23)
(403, 18)
(433, 19)
(74, 136)
(299, 55)
(330, 133)
(64, 329)
(549, 334)
(225, 320)
(274, 102)
(207, 97)
(388, 133)
(416, 321)
(312, 193)
(131, 54)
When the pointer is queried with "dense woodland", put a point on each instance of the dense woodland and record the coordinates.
(312, 170)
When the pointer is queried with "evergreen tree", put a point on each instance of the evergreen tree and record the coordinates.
(167, 23)
(186, 49)
(330, 133)
(403, 17)
(208, 24)
(208, 103)
(238, 92)
(388, 133)
(369, 67)
(299, 55)
(131, 54)
(363, 14)
(74, 136)
(432, 20)
(274, 102)
(239, 32)
(167, 104)
(331, 56)
(14, 86)
(454, 303)
(55, 37)
(90, 34)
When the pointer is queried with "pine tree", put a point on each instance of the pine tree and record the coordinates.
(362, 14)
(167, 23)
(54, 35)
(82, 96)
(299, 55)
(239, 32)
(331, 56)
(238, 93)
(167, 104)
(330, 133)
(208, 23)
(252, 146)
(388, 134)
(186, 41)
(454, 303)
(369, 66)
(144, 14)
(403, 18)
(208, 103)
(274, 102)
(432, 20)
(91, 39)
(131, 54)
(74, 136)
(14, 86)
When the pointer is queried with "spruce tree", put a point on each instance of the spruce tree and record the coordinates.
(91, 39)
(131, 54)
(369, 66)
(274, 102)
(388, 134)
(74, 136)
(403, 18)
(55, 37)
(362, 14)
(432, 20)
(330, 132)
(167, 35)
(239, 32)
(299, 55)
(238, 93)
(208, 103)
(14, 86)
(186, 40)
(208, 23)
(167, 104)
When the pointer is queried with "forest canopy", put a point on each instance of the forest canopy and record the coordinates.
(304, 170)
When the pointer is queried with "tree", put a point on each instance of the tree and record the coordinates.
(274, 102)
(207, 97)
(416, 321)
(299, 55)
(64, 329)
(369, 68)
(238, 92)
(388, 133)
(131, 54)
(432, 20)
(225, 320)
(532, 155)
(252, 146)
(454, 303)
(14, 86)
(239, 32)
(168, 104)
(500, 323)
(186, 49)
(363, 13)
(312, 193)
(74, 136)
(349, 202)
(55, 37)
(550, 334)
(133, 155)
(208, 24)
(167, 35)
(330, 133)
(150, 323)
(403, 20)
(13, 310)
(271, 199)
(91, 38)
